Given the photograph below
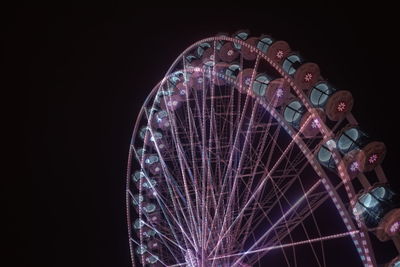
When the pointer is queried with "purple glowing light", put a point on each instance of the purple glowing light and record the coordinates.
(279, 92)
(373, 158)
(315, 124)
(395, 227)
(355, 166)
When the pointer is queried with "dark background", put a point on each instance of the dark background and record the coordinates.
(82, 73)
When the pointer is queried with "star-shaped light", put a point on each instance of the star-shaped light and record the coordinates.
(341, 107)
(308, 77)
(373, 158)
(395, 227)
(279, 54)
(279, 92)
(315, 124)
(354, 166)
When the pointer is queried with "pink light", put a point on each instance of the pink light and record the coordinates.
(315, 124)
(341, 107)
(279, 92)
(308, 77)
(284, 216)
(304, 242)
(373, 158)
(354, 166)
(395, 227)
(279, 54)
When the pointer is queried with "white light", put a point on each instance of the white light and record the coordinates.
(331, 144)
(315, 124)
(279, 92)
(354, 166)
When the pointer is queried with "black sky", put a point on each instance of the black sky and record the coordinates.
(85, 71)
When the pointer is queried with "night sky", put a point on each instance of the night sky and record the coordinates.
(85, 72)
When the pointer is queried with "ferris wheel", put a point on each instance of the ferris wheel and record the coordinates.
(244, 154)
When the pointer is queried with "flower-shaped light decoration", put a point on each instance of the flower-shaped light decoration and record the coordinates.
(315, 124)
(279, 92)
(308, 77)
(373, 158)
(395, 227)
(355, 166)
(279, 54)
(341, 107)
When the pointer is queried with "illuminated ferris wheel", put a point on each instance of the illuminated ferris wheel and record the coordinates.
(238, 155)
